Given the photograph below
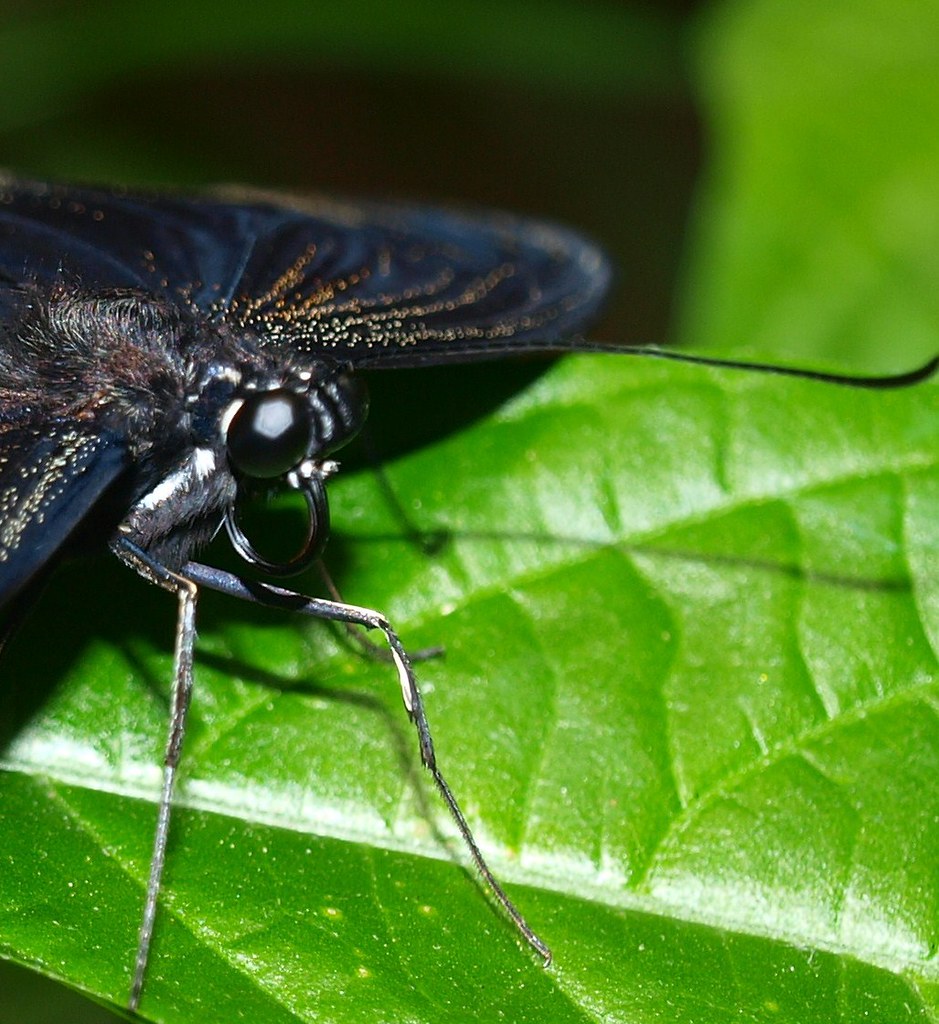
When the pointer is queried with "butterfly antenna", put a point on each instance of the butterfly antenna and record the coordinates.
(883, 382)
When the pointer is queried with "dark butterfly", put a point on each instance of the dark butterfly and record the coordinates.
(161, 355)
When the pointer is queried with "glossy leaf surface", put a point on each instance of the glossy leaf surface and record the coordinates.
(688, 701)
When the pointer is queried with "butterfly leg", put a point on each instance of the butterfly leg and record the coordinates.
(371, 650)
(334, 611)
(186, 592)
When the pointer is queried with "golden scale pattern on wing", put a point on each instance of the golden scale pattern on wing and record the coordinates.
(329, 316)
(38, 483)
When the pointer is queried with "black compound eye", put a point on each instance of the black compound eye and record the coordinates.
(270, 433)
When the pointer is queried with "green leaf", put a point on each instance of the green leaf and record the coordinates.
(688, 702)
(818, 223)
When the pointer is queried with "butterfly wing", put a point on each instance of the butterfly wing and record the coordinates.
(370, 283)
(375, 285)
(51, 477)
(394, 286)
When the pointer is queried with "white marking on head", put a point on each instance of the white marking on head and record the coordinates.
(203, 462)
(227, 416)
(177, 481)
(199, 466)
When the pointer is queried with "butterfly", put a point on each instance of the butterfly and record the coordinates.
(165, 357)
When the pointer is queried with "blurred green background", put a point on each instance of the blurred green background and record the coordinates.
(764, 175)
